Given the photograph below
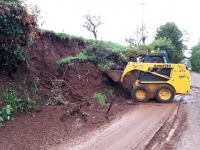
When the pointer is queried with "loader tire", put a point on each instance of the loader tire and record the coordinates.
(164, 93)
(140, 93)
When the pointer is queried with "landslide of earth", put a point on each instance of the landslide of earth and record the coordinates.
(66, 105)
(75, 82)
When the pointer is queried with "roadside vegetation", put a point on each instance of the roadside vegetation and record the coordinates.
(18, 28)
(101, 98)
(13, 99)
(195, 58)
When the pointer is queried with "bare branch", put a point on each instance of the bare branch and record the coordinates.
(92, 24)
(139, 36)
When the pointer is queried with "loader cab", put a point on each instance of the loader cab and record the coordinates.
(160, 57)
(154, 58)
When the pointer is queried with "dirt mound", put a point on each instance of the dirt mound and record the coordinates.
(79, 79)
(68, 89)
(47, 50)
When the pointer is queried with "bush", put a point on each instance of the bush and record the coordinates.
(107, 55)
(110, 92)
(17, 29)
(100, 97)
(195, 58)
(103, 55)
(10, 97)
(9, 102)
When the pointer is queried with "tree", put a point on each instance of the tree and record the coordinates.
(92, 23)
(195, 58)
(139, 36)
(13, 1)
(164, 44)
(172, 32)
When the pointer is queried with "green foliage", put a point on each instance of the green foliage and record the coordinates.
(5, 113)
(103, 55)
(164, 44)
(80, 56)
(195, 58)
(30, 99)
(133, 53)
(9, 102)
(17, 28)
(1, 120)
(13, 1)
(100, 97)
(115, 46)
(110, 92)
(28, 104)
(9, 97)
(170, 31)
(34, 87)
(144, 48)
(63, 35)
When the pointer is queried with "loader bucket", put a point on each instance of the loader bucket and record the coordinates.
(115, 75)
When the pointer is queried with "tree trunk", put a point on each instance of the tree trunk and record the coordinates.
(95, 35)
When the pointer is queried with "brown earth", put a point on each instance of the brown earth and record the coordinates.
(68, 91)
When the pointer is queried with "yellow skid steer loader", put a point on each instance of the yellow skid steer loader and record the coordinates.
(157, 79)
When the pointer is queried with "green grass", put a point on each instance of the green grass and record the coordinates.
(111, 45)
(116, 47)
(80, 56)
(100, 97)
(70, 37)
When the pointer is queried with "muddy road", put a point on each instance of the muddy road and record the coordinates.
(191, 135)
(132, 131)
(149, 126)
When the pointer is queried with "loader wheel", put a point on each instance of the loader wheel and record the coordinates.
(140, 93)
(164, 93)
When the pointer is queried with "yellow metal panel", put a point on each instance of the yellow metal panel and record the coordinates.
(179, 77)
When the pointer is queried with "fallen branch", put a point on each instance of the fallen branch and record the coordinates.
(110, 107)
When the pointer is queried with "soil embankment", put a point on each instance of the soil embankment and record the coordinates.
(68, 107)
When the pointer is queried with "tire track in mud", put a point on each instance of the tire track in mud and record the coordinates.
(132, 131)
(191, 135)
(167, 136)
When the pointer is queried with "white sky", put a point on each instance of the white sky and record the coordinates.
(120, 17)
